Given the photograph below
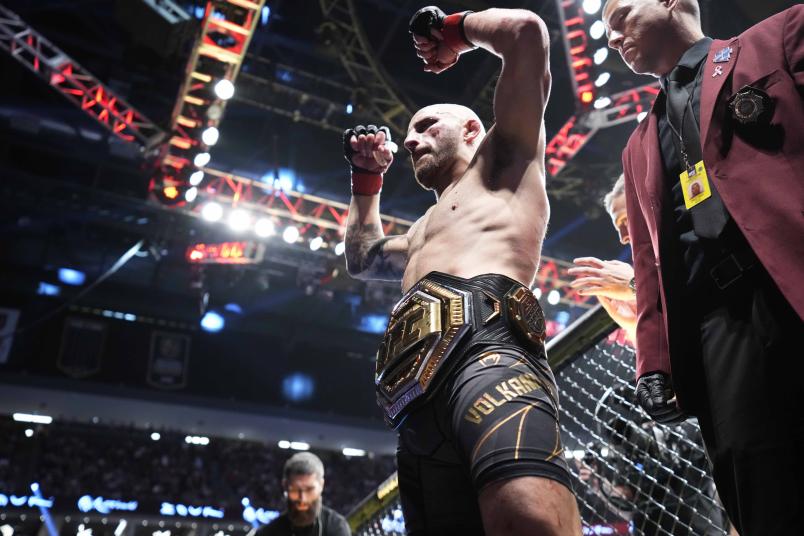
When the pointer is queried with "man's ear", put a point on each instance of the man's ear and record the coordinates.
(472, 129)
(670, 5)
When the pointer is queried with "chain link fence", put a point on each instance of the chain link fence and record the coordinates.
(631, 475)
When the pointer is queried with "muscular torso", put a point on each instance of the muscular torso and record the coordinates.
(492, 220)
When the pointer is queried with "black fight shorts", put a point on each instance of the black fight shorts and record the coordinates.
(495, 418)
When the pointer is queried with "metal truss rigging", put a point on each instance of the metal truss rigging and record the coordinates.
(297, 94)
(218, 53)
(358, 60)
(78, 85)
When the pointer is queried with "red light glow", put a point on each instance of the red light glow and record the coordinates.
(224, 253)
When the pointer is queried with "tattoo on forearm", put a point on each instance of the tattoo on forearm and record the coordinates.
(365, 252)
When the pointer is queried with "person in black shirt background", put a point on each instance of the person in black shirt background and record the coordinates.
(303, 482)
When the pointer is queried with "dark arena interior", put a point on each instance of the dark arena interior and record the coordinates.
(176, 314)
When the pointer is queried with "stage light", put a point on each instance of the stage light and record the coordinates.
(349, 109)
(264, 228)
(373, 323)
(196, 440)
(553, 297)
(156, 436)
(68, 276)
(600, 55)
(265, 15)
(283, 444)
(290, 234)
(196, 178)
(538, 293)
(591, 6)
(202, 159)
(29, 432)
(641, 116)
(212, 211)
(602, 102)
(597, 30)
(316, 243)
(299, 445)
(340, 247)
(602, 79)
(46, 289)
(298, 387)
(347, 451)
(212, 322)
(191, 194)
(36, 419)
(224, 89)
(210, 136)
(239, 220)
(170, 192)
(233, 308)
(587, 96)
(285, 180)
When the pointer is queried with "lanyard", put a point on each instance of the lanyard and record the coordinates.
(679, 132)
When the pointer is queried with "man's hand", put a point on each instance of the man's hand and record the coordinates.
(603, 278)
(438, 38)
(655, 394)
(622, 312)
(368, 149)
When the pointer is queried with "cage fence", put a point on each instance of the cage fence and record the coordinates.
(631, 475)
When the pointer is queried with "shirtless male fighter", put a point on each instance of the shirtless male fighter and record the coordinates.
(462, 373)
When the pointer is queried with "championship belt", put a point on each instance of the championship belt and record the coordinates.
(526, 316)
(425, 327)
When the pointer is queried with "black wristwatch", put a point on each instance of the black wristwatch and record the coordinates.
(632, 285)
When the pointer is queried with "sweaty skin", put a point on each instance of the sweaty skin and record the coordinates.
(492, 210)
(491, 219)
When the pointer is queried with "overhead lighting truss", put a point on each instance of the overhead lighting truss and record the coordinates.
(625, 106)
(78, 85)
(297, 94)
(576, 46)
(358, 60)
(320, 217)
(225, 34)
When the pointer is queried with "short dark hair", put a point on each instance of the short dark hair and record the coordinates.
(303, 463)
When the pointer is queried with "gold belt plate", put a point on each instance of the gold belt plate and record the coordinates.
(424, 327)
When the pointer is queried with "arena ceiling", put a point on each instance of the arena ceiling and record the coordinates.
(74, 195)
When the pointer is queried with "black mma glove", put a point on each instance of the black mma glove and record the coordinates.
(364, 181)
(654, 393)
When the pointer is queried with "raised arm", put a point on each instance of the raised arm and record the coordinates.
(520, 38)
(369, 253)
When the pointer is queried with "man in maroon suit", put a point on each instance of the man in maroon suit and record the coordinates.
(720, 275)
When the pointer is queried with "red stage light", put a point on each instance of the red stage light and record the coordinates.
(587, 96)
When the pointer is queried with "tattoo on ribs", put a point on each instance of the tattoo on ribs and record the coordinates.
(365, 252)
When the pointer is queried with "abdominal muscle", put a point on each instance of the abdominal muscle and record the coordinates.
(473, 231)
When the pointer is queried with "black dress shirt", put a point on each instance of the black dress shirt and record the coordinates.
(697, 254)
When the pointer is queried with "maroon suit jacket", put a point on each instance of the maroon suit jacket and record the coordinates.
(761, 181)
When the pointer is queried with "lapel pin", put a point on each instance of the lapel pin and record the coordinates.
(718, 71)
(723, 55)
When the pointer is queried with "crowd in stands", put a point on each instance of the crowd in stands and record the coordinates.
(72, 459)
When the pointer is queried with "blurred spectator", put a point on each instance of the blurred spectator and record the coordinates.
(71, 459)
(305, 515)
(612, 282)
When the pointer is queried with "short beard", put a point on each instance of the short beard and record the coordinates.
(427, 174)
(304, 518)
